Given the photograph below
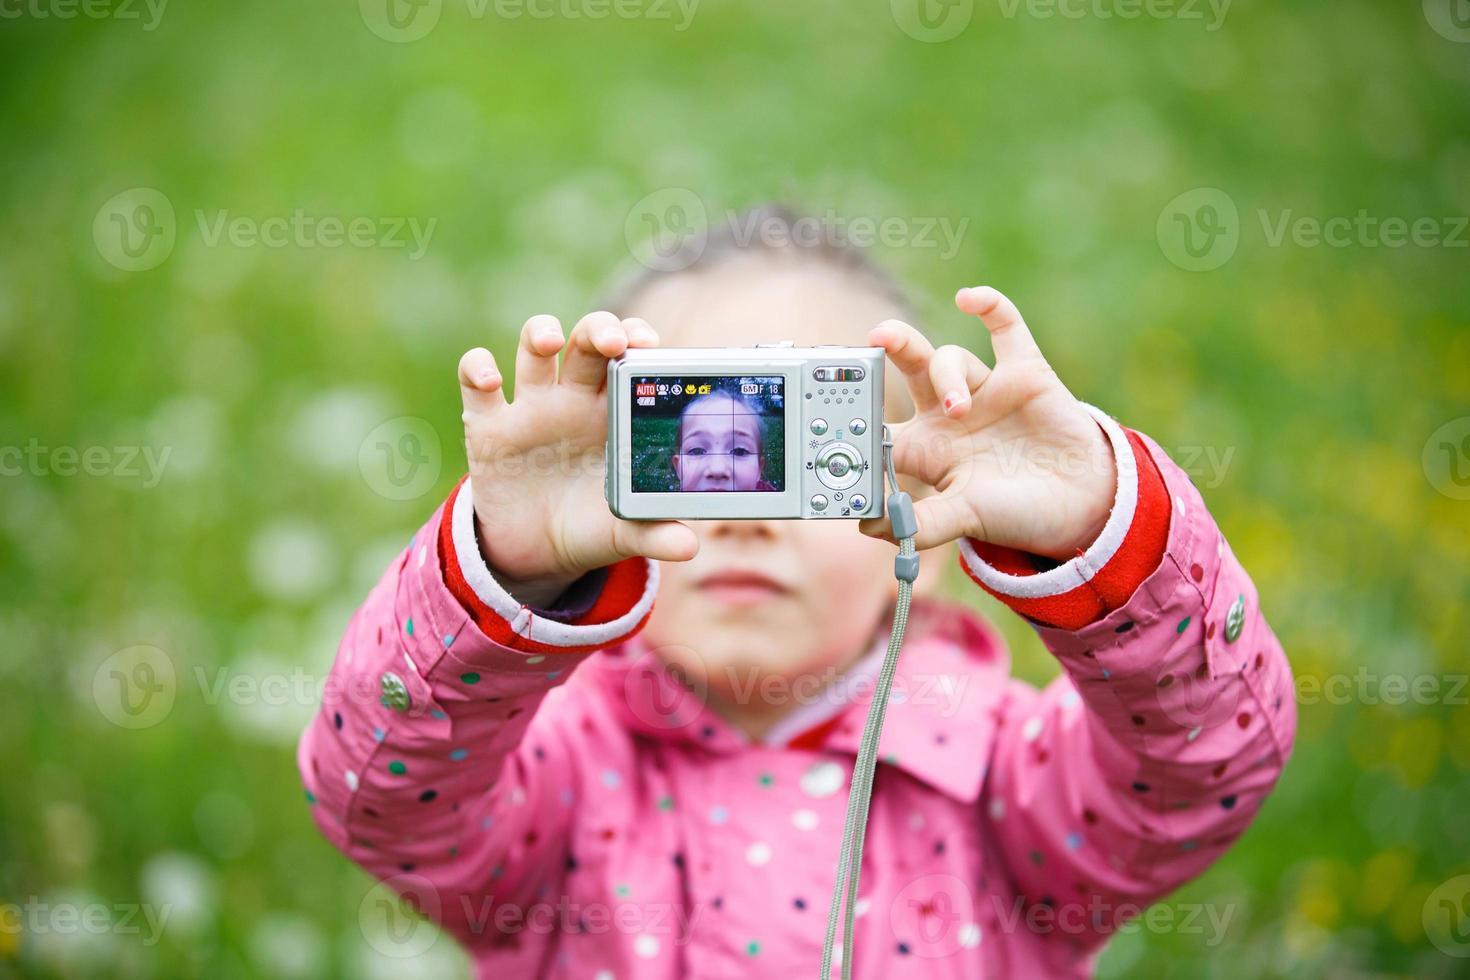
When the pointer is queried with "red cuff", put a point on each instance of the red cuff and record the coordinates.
(619, 612)
(1139, 554)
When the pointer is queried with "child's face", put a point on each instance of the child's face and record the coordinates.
(768, 599)
(719, 445)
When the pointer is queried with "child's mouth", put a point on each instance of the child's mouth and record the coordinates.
(741, 588)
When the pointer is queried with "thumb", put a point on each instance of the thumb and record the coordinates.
(659, 540)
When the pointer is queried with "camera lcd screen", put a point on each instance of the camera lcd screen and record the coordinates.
(709, 433)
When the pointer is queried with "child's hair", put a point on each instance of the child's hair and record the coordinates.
(748, 233)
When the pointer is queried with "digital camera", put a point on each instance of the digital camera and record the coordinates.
(772, 431)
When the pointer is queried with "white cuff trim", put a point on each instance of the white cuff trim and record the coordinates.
(522, 623)
(1080, 570)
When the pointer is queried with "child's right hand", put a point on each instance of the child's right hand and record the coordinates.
(534, 462)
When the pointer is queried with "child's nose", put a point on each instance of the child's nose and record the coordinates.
(742, 530)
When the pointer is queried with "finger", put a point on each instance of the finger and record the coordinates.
(480, 383)
(1008, 331)
(541, 341)
(659, 540)
(640, 332)
(595, 338)
(956, 375)
(940, 518)
(910, 352)
(926, 458)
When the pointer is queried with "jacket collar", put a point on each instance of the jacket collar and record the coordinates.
(942, 712)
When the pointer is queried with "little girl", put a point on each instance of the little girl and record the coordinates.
(579, 783)
(718, 446)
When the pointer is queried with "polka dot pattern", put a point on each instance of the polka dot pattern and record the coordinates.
(753, 843)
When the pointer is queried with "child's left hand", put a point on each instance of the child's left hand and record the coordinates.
(1015, 458)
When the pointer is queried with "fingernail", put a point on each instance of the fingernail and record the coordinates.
(950, 401)
(548, 333)
(485, 377)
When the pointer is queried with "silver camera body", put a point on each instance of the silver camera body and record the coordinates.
(772, 431)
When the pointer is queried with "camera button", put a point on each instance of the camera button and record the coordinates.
(857, 427)
(859, 502)
(819, 501)
(819, 427)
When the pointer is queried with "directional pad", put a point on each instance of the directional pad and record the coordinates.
(839, 465)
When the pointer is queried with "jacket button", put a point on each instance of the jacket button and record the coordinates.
(395, 692)
(1235, 619)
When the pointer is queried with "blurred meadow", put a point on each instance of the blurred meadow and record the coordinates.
(244, 245)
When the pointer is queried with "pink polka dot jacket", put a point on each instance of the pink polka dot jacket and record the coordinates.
(541, 786)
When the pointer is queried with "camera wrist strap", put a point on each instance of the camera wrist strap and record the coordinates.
(849, 865)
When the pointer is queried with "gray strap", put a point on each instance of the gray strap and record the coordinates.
(854, 828)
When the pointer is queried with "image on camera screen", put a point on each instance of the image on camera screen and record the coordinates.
(709, 434)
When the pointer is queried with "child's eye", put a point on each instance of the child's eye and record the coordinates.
(694, 451)
(740, 452)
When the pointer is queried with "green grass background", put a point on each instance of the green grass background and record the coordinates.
(1320, 371)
